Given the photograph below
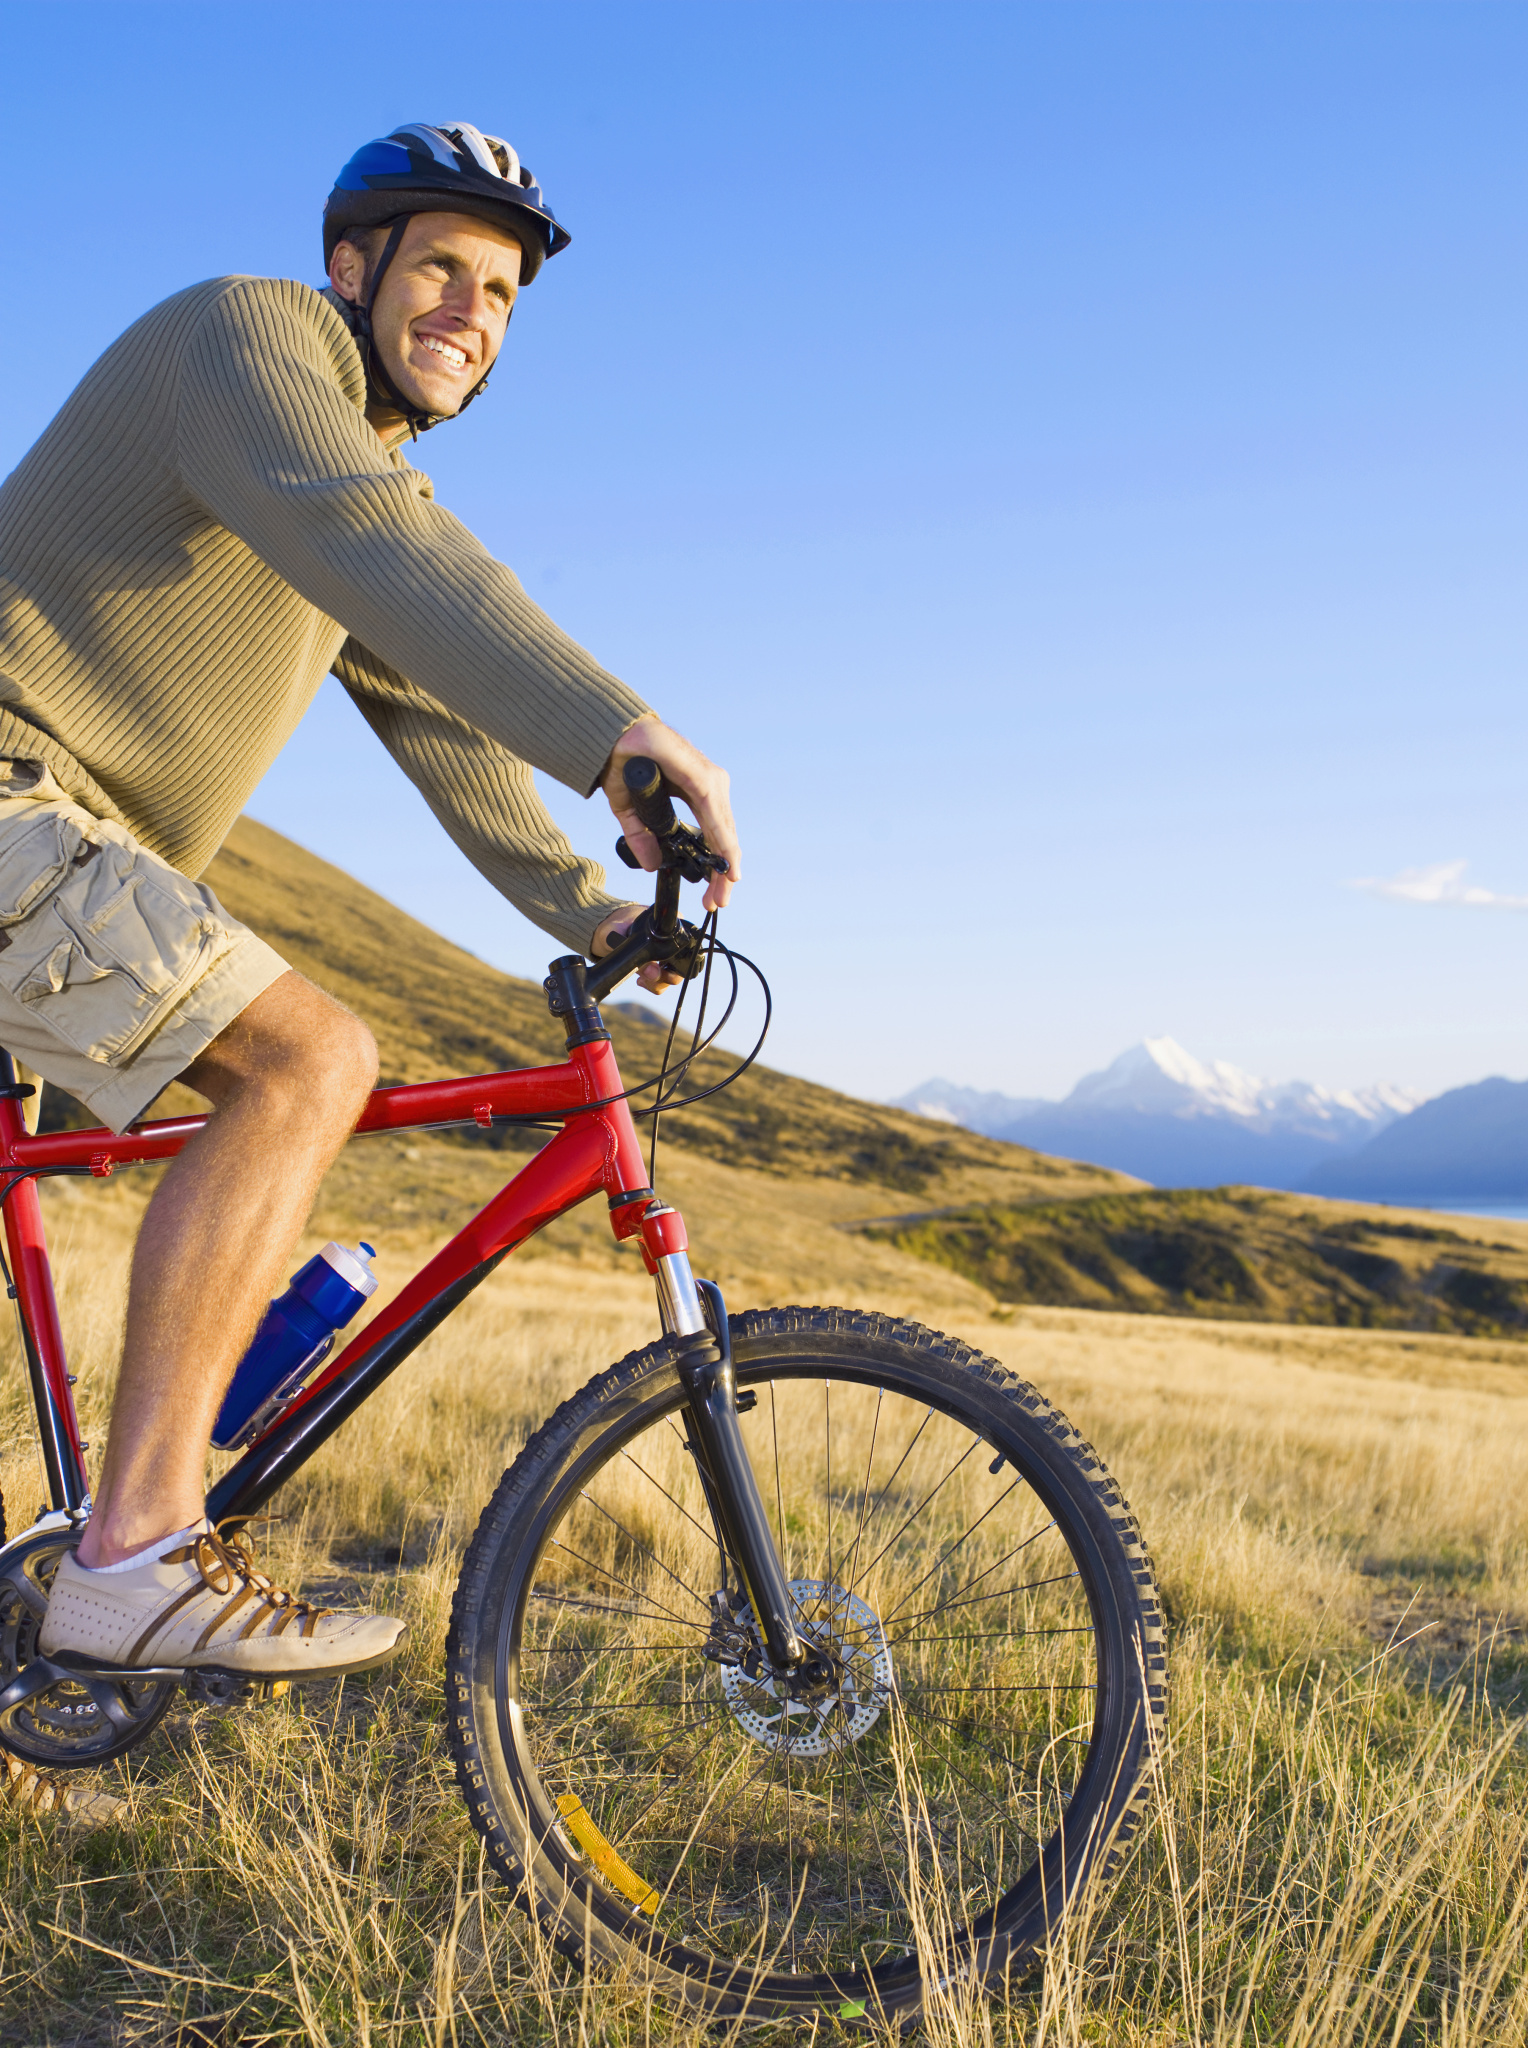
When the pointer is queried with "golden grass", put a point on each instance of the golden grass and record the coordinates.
(1340, 1839)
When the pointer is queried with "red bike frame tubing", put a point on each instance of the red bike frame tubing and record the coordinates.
(596, 1149)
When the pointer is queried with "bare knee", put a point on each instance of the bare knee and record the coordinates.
(341, 1057)
(295, 1050)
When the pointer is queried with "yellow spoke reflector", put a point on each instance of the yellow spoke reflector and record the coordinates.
(599, 1852)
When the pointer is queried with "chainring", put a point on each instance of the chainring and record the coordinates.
(58, 1722)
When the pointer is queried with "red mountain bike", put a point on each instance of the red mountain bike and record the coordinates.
(801, 1655)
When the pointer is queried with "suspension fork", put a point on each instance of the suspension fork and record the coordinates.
(703, 1354)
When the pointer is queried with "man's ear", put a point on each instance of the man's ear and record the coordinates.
(347, 271)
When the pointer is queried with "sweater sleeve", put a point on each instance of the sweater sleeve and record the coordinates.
(272, 440)
(485, 798)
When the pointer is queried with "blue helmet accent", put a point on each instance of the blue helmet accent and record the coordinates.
(372, 160)
(452, 168)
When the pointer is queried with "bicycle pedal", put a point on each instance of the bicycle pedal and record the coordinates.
(233, 1689)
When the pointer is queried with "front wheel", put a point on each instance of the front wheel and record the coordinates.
(990, 1675)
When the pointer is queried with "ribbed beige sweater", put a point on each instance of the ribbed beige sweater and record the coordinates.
(205, 530)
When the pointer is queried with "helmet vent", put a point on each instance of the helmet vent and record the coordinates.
(510, 167)
(489, 152)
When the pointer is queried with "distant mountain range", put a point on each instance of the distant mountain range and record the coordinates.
(1177, 1121)
(1471, 1143)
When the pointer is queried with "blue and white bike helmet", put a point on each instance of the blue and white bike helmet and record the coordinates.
(420, 168)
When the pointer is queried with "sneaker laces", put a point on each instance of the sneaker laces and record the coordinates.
(225, 1566)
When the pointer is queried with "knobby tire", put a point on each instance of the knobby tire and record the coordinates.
(979, 1762)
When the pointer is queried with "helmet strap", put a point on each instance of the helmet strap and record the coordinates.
(381, 384)
(482, 383)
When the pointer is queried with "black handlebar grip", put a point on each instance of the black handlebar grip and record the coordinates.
(644, 779)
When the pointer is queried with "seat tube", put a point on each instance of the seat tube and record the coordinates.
(42, 1338)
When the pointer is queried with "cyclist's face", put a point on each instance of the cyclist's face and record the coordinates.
(445, 302)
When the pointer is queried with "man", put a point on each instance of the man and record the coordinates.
(219, 515)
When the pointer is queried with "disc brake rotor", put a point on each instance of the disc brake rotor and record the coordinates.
(825, 1719)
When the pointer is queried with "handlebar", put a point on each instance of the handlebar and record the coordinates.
(682, 847)
(659, 933)
(650, 800)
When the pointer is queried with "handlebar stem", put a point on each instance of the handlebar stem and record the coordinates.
(569, 998)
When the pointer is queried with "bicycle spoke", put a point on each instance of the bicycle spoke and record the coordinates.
(619, 1525)
(609, 1649)
(1004, 1593)
(875, 1424)
(914, 1692)
(997, 1635)
(709, 1534)
(891, 1482)
(946, 1555)
(604, 1572)
(788, 1823)
(918, 1510)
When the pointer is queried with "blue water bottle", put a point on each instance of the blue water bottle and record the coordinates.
(296, 1333)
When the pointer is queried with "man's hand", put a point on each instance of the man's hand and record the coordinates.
(655, 976)
(689, 774)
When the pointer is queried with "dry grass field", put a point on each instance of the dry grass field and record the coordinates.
(1338, 1850)
(1340, 1838)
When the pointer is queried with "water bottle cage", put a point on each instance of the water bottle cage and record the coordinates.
(283, 1396)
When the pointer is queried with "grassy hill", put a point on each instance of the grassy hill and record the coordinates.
(1238, 1253)
(436, 1010)
(793, 1189)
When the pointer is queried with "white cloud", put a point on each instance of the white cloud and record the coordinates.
(1442, 883)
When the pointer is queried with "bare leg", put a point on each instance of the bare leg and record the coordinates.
(287, 1080)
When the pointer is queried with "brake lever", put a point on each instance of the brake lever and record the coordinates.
(684, 849)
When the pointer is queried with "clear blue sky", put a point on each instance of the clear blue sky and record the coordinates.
(1068, 460)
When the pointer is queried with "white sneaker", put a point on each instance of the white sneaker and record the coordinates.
(204, 1607)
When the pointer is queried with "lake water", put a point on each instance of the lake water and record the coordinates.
(1507, 1209)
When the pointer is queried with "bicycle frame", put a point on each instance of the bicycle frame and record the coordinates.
(597, 1148)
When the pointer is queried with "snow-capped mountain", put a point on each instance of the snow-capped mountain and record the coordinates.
(944, 1103)
(1158, 1078)
(1159, 1112)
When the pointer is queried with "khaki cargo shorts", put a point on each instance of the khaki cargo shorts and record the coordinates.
(115, 971)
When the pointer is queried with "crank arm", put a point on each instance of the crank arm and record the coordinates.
(710, 1384)
(43, 1673)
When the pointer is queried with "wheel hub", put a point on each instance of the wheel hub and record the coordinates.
(832, 1700)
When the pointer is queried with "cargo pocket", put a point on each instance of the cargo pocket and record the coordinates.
(37, 849)
(103, 963)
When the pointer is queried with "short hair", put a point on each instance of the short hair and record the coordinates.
(368, 241)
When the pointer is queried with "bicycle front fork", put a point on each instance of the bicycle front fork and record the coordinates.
(703, 1352)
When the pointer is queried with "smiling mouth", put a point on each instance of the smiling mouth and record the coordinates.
(454, 358)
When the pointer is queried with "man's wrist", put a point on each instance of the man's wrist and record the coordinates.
(605, 938)
(621, 747)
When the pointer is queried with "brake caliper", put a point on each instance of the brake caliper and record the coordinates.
(733, 1638)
